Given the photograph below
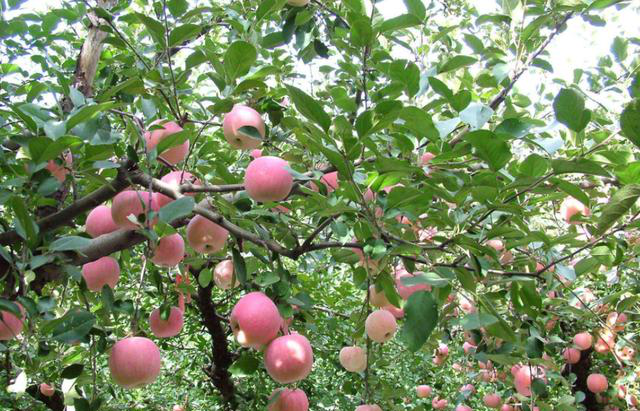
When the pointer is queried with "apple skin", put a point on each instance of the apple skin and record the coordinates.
(11, 326)
(353, 359)
(368, 407)
(492, 400)
(571, 207)
(423, 391)
(289, 400)
(101, 272)
(267, 179)
(571, 355)
(169, 328)
(135, 362)
(170, 251)
(255, 320)
(47, 390)
(242, 116)
(223, 275)
(597, 383)
(99, 222)
(380, 326)
(205, 236)
(173, 155)
(583, 341)
(135, 203)
(289, 358)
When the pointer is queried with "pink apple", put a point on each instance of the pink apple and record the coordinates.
(134, 362)
(406, 291)
(242, 116)
(289, 400)
(267, 179)
(47, 390)
(426, 158)
(496, 244)
(380, 326)
(101, 272)
(169, 327)
(492, 400)
(99, 222)
(289, 358)
(133, 203)
(353, 359)
(597, 383)
(173, 155)
(377, 298)
(205, 236)
(571, 207)
(223, 275)
(571, 355)
(583, 341)
(10, 325)
(397, 312)
(368, 407)
(461, 407)
(423, 391)
(170, 251)
(255, 320)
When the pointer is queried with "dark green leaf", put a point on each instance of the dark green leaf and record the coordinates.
(416, 7)
(246, 365)
(25, 224)
(155, 28)
(69, 243)
(476, 321)
(401, 22)
(619, 204)
(490, 148)
(421, 318)
(75, 325)
(239, 58)
(179, 208)
(10, 306)
(183, 33)
(569, 109)
(86, 113)
(457, 62)
(580, 166)
(630, 122)
(309, 107)
(239, 266)
(72, 371)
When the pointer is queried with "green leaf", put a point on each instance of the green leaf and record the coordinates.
(490, 147)
(361, 32)
(534, 166)
(25, 224)
(265, 7)
(569, 109)
(74, 326)
(28, 121)
(401, 22)
(580, 166)
(179, 208)
(69, 243)
(619, 204)
(86, 113)
(205, 277)
(421, 318)
(239, 266)
(476, 321)
(239, 58)
(246, 365)
(416, 7)
(572, 189)
(457, 62)
(309, 107)
(177, 7)
(183, 33)
(476, 115)
(155, 28)
(72, 371)
(251, 132)
(172, 140)
(630, 122)
(10, 306)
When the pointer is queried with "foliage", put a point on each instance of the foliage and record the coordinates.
(342, 88)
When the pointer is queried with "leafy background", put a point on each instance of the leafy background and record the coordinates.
(343, 86)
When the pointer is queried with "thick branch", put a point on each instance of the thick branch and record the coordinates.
(221, 356)
(87, 63)
(81, 206)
